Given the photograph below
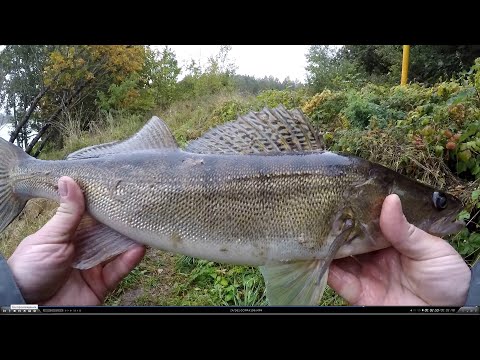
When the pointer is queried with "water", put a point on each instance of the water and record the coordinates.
(5, 130)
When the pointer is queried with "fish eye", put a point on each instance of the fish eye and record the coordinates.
(439, 200)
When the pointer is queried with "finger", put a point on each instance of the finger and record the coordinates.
(60, 228)
(407, 238)
(117, 269)
(349, 264)
(345, 283)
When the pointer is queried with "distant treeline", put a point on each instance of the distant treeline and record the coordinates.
(253, 85)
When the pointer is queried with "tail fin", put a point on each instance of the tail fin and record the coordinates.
(10, 204)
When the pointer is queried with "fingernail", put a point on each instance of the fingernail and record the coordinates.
(62, 188)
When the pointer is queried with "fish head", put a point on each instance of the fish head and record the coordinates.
(429, 209)
(425, 207)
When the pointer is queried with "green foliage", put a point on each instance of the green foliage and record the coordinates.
(109, 128)
(230, 110)
(327, 70)
(216, 77)
(21, 79)
(466, 154)
(224, 284)
(414, 117)
(163, 71)
(289, 98)
(476, 78)
(377, 63)
(252, 85)
(325, 109)
(431, 134)
(428, 63)
(469, 245)
(188, 119)
(368, 109)
(126, 96)
(51, 81)
(467, 242)
(204, 85)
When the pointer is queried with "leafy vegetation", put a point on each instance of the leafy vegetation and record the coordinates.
(356, 65)
(431, 134)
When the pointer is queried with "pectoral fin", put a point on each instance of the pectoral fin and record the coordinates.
(96, 243)
(298, 283)
(303, 282)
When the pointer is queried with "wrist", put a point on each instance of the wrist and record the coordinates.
(473, 296)
(9, 291)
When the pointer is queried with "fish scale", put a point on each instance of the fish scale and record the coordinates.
(228, 202)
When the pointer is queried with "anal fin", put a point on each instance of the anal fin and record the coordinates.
(96, 243)
(304, 282)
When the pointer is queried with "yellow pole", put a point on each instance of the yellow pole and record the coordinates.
(406, 57)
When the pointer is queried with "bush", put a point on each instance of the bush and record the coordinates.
(325, 109)
(289, 98)
(431, 134)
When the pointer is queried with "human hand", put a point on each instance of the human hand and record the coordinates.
(418, 269)
(41, 264)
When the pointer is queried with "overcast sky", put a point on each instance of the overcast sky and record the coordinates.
(279, 61)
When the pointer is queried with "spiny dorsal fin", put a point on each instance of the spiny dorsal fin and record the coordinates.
(269, 130)
(154, 135)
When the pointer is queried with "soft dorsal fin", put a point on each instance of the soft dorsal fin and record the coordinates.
(153, 135)
(269, 130)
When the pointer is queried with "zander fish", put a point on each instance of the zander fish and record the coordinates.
(258, 191)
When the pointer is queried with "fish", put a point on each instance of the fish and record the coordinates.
(260, 190)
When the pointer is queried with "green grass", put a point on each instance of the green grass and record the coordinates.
(113, 128)
(189, 119)
(186, 281)
(35, 214)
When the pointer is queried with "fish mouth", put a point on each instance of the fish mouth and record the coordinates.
(445, 227)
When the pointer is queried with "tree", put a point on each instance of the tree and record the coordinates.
(373, 59)
(22, 86)
(216, 76)
(163, 71)
(428, 63)
(434, 62)
(327, 70)
(39, 83)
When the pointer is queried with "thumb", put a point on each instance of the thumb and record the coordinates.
(61, 227)
(407, 238)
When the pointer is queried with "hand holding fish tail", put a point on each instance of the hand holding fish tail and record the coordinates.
(418, 269)
(42, 263)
